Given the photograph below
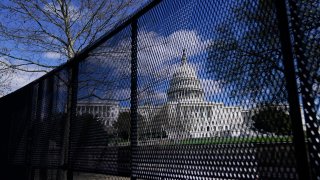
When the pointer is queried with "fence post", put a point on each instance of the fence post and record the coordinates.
(66, 172)
(46, 129)
(42, 171)
(301, 155)
(306, 78)
(134, 89)
(30, 116)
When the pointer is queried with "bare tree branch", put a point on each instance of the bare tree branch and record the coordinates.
(38, 35)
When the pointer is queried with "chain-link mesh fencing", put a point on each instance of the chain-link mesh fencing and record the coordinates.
(181, 90)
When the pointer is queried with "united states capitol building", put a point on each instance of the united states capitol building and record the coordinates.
(190, 115)
(186, 113)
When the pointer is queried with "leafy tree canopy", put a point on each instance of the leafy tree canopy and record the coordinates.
(272, 119)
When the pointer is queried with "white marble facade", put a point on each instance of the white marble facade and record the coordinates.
(190, 115)
(105, 111)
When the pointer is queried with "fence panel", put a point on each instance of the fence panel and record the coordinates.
(212, 98)
(19, 124)
(100, 132)
(183, 90)
(15, 109)
(48, 119)
(306, 33)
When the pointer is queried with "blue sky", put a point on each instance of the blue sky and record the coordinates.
(163, 33)
(49, 57)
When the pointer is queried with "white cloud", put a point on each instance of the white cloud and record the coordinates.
(11, 80)
(156, 52)
(5, 76)
(158, 57)
(21, 79)
(52, 55)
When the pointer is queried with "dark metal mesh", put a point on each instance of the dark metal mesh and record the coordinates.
(100, 132)
(219, 108)
(306, 31)
(182, 90)
(48, 119)
(36, 115)
(18, 138)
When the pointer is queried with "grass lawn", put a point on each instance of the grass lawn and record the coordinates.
(211, 140)
(235, 140)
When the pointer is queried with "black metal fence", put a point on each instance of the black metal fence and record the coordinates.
(181, 90)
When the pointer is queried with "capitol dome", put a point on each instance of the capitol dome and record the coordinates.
(185, 85)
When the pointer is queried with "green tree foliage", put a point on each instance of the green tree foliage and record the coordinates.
(271, 119)
(246, 50)
(123, 125)
(154, 127)
(89, 131)
(309, 42)
(246, 53)
(158, 125)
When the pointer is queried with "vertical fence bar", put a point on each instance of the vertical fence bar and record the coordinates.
(30, 107)
(4, 137)
(72, 111)
(36, 132)
(134, 98)
(66, 172)
(49, 93)
(305, 77)
(292, 88)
